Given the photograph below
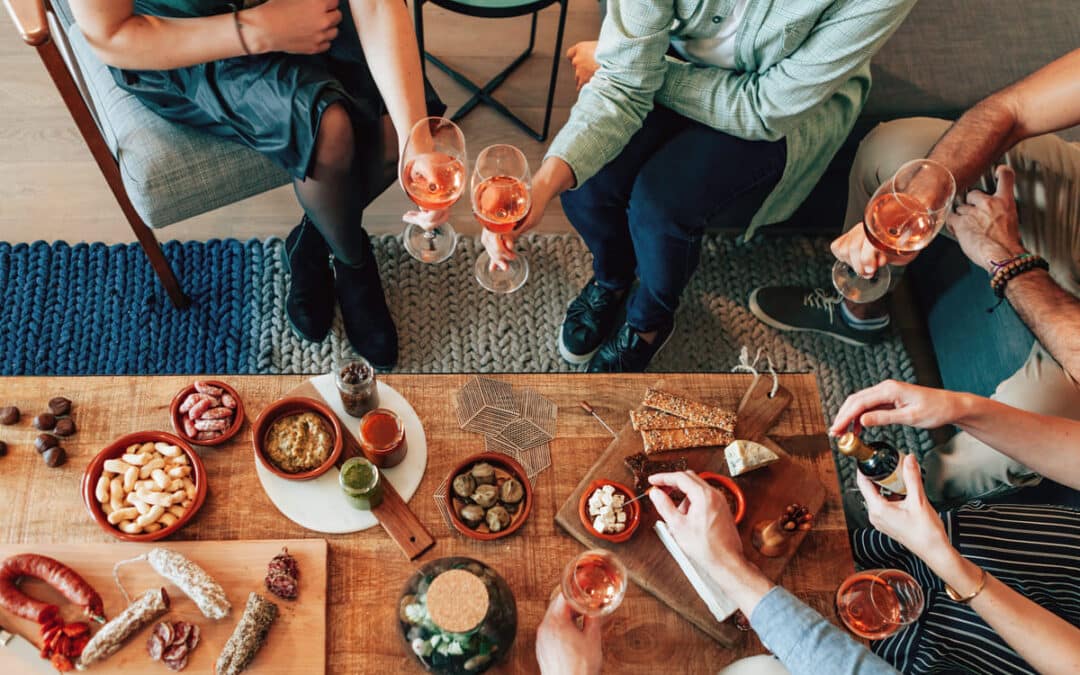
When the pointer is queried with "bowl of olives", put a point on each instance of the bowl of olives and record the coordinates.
(490, 496)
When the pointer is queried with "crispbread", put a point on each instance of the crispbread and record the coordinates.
(666, 440)
(700, 413)
(651, 419)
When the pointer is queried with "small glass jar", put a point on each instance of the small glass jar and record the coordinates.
(357, 386)
(382, 438)
(361, 482)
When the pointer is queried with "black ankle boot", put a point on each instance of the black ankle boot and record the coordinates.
(368, 323)
(310, 303)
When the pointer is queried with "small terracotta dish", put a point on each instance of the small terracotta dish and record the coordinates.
(117, 448)
(633, 511)
(504, 469)
(733, 494)
(294, 405)
(176, 417)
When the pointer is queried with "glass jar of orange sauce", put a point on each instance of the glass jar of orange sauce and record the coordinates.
(382, 438)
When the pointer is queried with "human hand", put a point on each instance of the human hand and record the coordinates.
(702, 523)
(987, 226)
(911, 521)
(293, 26)
(583, 58)
(428, 220)
(499, 247)
(564, 649)
(854, 248)
(892, 402)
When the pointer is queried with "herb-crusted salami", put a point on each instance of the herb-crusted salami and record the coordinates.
(248, 637)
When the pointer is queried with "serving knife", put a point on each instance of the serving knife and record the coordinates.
(24, 651)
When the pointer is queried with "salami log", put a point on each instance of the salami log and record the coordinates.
(248, 636)
(112, 635)
(56, 574)
(192, 580)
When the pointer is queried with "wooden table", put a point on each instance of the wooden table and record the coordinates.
(367, 570)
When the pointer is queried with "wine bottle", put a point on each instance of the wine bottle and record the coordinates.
(878, 461)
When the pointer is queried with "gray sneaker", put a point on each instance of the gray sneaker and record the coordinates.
(797, 308)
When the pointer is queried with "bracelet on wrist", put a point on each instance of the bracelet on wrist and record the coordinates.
(997, 265)
(236, 7)
(1006, 271)
(966, 599)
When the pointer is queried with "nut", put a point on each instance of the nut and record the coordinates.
(46, 441)
(45, 421)
(59, 405)
(3, 448)
(64, 427)
(55, 457)
(9, 415)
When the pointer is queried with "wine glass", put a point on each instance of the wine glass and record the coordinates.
(874, 604)
(594, 583)
(903, 217)
(433, 177)
(501, 198)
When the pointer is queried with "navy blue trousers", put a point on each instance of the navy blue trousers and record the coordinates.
(643, 215)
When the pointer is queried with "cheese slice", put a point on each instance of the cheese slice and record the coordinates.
(743, 456)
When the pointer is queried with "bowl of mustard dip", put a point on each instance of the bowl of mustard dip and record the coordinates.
(297, 438)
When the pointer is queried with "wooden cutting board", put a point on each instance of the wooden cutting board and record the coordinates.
(767, 492)
(297, 640)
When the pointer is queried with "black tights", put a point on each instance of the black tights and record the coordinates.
(339, 185)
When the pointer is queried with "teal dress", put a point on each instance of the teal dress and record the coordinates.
(269, 102)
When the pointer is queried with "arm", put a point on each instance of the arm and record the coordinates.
(1043, 639)
(1040, 442)
(124, 39)
(1046, 101)
(765, 105)
(801, 638)
(564, 648)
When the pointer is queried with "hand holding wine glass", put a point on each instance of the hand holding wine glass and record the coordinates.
(433, 177)
(501, 198)
(562, 648)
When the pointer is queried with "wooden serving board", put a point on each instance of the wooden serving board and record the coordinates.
(393, 513)
(767, 491)
(297, 640)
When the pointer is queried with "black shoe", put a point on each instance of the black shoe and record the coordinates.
(368, 323)
(310, 302)
(627, 352)
(797, 308)
(590, 319)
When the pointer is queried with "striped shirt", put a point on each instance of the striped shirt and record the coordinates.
(1033, 549)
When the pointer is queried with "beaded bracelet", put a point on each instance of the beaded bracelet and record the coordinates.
(239, 27)
(1011, 270)
(996, 265)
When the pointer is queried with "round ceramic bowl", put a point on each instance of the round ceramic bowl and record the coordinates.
(505, 467)
(176, 416)
(117, 448)
(732, 493)
(633, 511)
(291, 406)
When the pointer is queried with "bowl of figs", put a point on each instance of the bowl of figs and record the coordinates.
(489, 496)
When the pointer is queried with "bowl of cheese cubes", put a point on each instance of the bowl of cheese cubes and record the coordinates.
(607, 512)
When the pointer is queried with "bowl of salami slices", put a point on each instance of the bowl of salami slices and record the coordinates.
(207, 412)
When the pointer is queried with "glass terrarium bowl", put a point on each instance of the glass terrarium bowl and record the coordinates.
(468, 650)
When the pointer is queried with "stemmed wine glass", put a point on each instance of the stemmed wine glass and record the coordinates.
(433, 176)
(501, 198)
(903, 217)
(594, 583)
(874, 604)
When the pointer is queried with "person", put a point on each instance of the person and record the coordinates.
(737, 129)
(912, 536)
(991, 228)
(306, 83)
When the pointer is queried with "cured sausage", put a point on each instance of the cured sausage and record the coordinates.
(112, 635)
(248, 636)
(192, 580)
(56, 574)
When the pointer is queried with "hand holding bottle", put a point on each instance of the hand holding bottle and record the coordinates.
(911, 521)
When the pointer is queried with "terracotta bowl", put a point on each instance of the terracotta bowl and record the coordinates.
(505, 467)
(633, 511)
(291, 406)
(117, 448)
(175, 415)
(727, 484)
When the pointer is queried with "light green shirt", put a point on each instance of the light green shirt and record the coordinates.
(803, 75)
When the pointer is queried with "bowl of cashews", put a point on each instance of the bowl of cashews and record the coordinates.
(144, 486)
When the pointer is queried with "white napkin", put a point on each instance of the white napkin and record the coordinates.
(719, 604)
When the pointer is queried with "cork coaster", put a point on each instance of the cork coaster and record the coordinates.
(457, 601)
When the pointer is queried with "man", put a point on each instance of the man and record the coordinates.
(990, 228)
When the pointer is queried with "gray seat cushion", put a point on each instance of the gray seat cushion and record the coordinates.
(171, 172)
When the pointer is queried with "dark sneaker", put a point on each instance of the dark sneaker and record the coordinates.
(310, 302)
(627, 352)
(590, 318)
(797, 308)
(368, 323)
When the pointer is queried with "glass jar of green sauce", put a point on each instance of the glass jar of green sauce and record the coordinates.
(361, 482)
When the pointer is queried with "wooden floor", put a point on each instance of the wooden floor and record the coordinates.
(50, 187)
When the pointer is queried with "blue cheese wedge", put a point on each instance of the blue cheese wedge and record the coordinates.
(743, 456)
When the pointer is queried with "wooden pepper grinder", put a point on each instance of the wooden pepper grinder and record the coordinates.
(770, 537)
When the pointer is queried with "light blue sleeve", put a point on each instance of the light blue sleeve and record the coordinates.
(806, 643)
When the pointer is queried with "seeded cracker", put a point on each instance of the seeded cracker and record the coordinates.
(666, 440)
(700, 413)
(650, 419)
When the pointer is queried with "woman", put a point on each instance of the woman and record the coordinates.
(702, 112)
(288, 78)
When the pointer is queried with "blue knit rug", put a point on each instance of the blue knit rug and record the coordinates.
(96, 309)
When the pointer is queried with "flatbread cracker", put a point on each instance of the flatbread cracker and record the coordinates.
(700, 413)
(666, 440)
(651, 419)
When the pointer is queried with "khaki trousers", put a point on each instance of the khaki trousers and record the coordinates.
(1048, 198)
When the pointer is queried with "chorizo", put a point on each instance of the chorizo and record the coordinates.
(56, 574)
